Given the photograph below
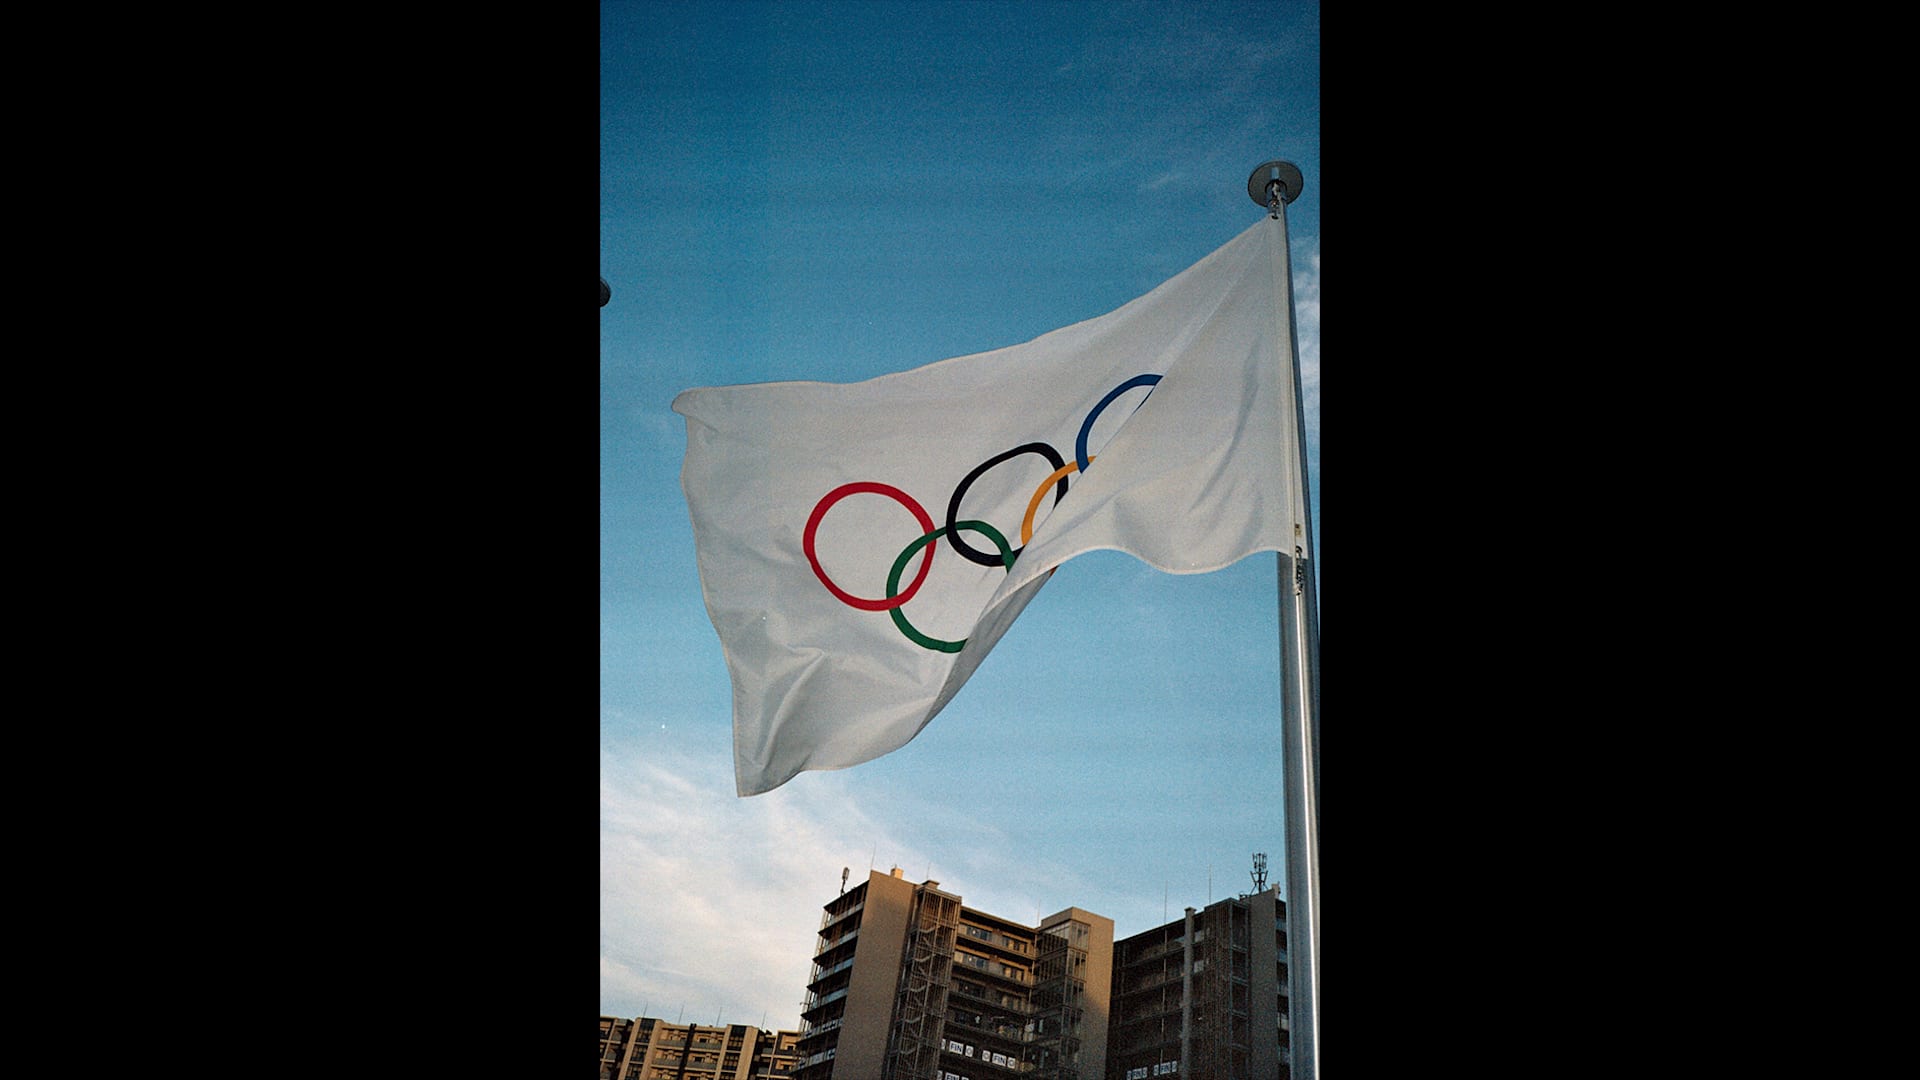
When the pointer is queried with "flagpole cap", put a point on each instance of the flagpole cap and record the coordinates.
(1284, 173)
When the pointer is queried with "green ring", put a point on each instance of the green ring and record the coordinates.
(900, 565)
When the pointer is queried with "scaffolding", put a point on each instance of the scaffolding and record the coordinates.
(920, 1006)
(1058, 985)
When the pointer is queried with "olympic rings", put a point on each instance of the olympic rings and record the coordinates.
(813, 524)
(1086, 427)
(953, 508)
(895, 597)
(1007, 555)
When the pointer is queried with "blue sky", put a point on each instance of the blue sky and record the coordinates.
(838, 191)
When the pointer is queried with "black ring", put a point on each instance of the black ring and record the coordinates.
(953, 508)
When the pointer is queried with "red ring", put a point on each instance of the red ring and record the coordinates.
(826, 503)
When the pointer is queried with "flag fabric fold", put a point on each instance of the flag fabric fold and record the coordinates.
(862, 546)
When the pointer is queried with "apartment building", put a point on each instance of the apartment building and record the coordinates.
(909, 982)
(650, 1049)
(1204, 997)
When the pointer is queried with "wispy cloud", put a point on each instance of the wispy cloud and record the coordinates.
(709, 902)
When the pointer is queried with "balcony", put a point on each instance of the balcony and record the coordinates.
(1008, 1024)
(822, 973)
(830, 943)
(1155, 952)
(815, 1004)
(1134, 982)
(1141, 1044)
(979, 938)
(828, 918)
(981, 967)
(1150, 1008)
(821, 1029)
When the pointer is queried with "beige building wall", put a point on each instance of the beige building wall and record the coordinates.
(862, 1047)
(1093, 933)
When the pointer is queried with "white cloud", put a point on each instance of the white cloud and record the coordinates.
(709, 902)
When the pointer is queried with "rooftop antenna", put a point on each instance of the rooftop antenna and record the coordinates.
(1259, 871)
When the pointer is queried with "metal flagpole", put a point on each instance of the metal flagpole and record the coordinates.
(1273, 185)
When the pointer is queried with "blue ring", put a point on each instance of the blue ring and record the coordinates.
(1080, 443)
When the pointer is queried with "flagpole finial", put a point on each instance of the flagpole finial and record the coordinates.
(1275, 183)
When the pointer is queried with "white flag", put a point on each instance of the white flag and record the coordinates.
(862, 546)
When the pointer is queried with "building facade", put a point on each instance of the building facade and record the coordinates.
(908, 983)
(1204, 997)
(776, 1058)
(1072, 996)
(649, 1049)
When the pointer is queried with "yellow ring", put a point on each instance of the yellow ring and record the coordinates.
(1033, 504)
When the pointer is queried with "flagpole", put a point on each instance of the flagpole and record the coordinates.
(1273, 185)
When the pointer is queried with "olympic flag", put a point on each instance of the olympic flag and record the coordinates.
(862, 546)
